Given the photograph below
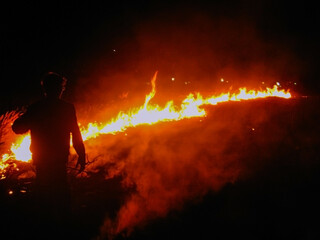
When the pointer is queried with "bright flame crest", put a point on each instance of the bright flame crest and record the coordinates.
(149, 114)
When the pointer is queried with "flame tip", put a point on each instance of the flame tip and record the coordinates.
(149, 114)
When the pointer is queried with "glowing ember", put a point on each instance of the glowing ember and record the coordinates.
(20, 149)
(148, 114)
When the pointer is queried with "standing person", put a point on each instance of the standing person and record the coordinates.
(51, 120)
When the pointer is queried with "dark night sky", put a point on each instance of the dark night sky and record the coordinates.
(72, 38)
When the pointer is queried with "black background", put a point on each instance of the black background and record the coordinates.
(69, 37)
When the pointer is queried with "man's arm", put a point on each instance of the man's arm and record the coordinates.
(78, 142)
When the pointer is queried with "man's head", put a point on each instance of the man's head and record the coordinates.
(53, 84)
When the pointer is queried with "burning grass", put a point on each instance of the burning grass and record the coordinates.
(146, 173)
(148, 113)
(150, 179)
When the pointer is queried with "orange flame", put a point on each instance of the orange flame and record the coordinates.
(150, 114)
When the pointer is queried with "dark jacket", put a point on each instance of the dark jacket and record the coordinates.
(50, 121)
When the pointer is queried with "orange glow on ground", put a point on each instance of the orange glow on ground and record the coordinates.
(148, 114)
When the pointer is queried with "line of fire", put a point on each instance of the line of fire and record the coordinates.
(150, 114)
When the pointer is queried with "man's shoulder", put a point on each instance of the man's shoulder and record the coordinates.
(66, 106)
(50, 103)
(65, 103)
(36, 104)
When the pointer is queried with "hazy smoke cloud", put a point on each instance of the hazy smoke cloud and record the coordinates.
(168, 165)
(192, 51)
(172, 164)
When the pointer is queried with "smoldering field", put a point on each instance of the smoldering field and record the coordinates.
(168, 166)
(250, 166)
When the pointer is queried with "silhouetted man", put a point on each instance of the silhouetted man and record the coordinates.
(51, 121)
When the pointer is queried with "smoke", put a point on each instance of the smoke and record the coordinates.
(168, 165)
(166, 168)
(192, 49)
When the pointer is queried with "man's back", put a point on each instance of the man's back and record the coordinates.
(50, 122)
